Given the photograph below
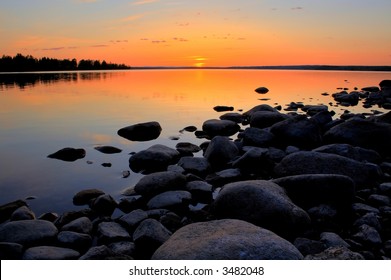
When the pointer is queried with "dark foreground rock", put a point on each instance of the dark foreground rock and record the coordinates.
(141, 131)
(68, 154)
(226, 240)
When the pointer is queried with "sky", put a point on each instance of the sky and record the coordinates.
(200, 32)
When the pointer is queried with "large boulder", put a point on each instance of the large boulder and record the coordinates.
(305, 162)
(349, 151)
(260, 202)
(198, 166)
(257, 137)
(159, 182)
(362, 133)
(263, 119)
(298, 131)
(156, 158)
(226, 239)
(220, 127)
(141, 131)
(220, 151)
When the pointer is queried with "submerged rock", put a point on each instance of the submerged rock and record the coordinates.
(141, 132)
(68, 154)
(108, 149)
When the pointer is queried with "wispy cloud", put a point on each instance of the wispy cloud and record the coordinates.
(143, 2)
(99, 46)
(132, 17)
(53, 49)
(297, 8)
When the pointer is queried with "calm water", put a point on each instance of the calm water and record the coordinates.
(40, 114)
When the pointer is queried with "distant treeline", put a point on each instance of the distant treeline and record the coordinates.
(21, 63)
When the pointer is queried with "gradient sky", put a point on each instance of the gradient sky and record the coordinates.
(200, 32)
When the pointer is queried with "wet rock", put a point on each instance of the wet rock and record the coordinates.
(256, 137)
(331, 239)
(171, 221)
(159, 182)
(255, 161)
(336, 253)
(312, 110)
(190, 128)
(149, 236)
(123, 248)
(141, 132)
(223, 108)
(263, 119)
(23, 213)
(362, 133)
(368, 236)
(200, 191)
(349, 98)
(298, 131)
(104, 205)
(50, 253)
(220, 127)
(10, 251)
(68, 154)
(28, 232)
(221, 239)
(109, 232)
(185, 147)
(155, 158)
(362, 209)
(80, 225)
(171, 200)
(106, 164)
(349, 151)
(322, 118)
(80, 242)
(133, 219)
(68, 217)
(385, 84)
(385, 188)
(300, 163)
(262, 203)
(50, 216)
(198, 166)
(97, 253)
(7, 209)
(220, 151)
(225, 176)
(310, 190)
(307, 246)
(262, 107)
(128, 204)
(84, 197)
(262, 90)
(370, 219)
(324, 217)
(108, 149)
(235, 117)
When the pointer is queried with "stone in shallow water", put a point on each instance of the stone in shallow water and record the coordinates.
(23, 213)
(262, 90)
(141, 132)
(108, 149)
(7, 209)
(84, 197)
(68, 154)
(226, 239)
(220, 127)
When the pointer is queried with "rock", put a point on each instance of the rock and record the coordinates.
(307, 246)
(348, 98)
(50, 253)
(7, 209)
(378, 200)
(262, 203)
(262, 90)
(370, 219)
(385, 84)
(149, 236)
(84, 197)
(28, 232)
(255, 161)
(133, 219)
(331, 239)
(223, 108)
(336, 253)
(220, 127)
(123, 248)
(97, 253)
(263, 119)
(49, 216)
(128, 204)
(298, 131)
(310, 190)
(155, 158)
(80, 242)
(23, 213)
(10, 251)
(108, 149)
(109, 232)
(198, 166)
(104, 205)
(362, 133)
(368, 236)
(141, 132)
(80, 225)
(362, 209)
(68, 154)
(370, 89)
(190, 128)
(68, 217)
(257, 137)
(171, 200)
(185, 147)
(200, 191)
(225, 176)
(171, 221)
(159, 182)
(385, 188)
(106, 164)
(301, 163)
(322, 118)
(324, 217)
(220, 151)
(312, 110)
(225, 240)
(349, 151)
(235, 117)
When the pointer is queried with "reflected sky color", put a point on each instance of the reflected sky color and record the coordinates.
(200, 33)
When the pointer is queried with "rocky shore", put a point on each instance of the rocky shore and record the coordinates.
(265, 184)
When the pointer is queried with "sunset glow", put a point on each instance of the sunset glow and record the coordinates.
(200, 33)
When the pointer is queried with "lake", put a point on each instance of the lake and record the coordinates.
(42, 113)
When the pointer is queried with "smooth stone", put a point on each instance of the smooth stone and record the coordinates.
(159, 182)
(74, 240)
(70, 216)
(200, 191)
(50, 253)
(187, 147)
(331, 239)
(262, 203)
(220, 127)
(134, 202)
(123, 248)
(22, 213)
(370, 219)
(264, 119)
(348, 98)
(349, 151)
(10, 251)
(104, 205)
(368, 236)
(68, 154)
(262, 107)
(322, 118)
(225, 176)
(171, 200)
(108, 149)
(378, 200)
(362, 209)
(220, 152)
(223, 108)
(109, 232)
(371, 89)
(312, 110)
(28, 232)
(256, 161)
(7, 209)
(225, 239)
(307, 246)
(49, 216)
(80, 225)
(298, 131)
(133, 219)
(256, 137)
(156, 158)
(385, 188)
(262, 90)
(84, 197)
(308, 162)
(141, 132)
(149, 236)
(336, 253)
(97, 253)
(198, 166)
(235, 117)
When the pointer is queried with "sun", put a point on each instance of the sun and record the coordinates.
(199, 61)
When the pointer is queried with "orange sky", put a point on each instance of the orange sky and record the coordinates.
(200, 33)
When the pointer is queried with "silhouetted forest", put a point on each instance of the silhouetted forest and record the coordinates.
(21, 63)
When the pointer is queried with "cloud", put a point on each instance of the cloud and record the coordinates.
(53, 49)
(158, 41)
(297, 8)
(179, 39)
(132, 17)
(99, 46)
(143, 2)
(118, 41)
